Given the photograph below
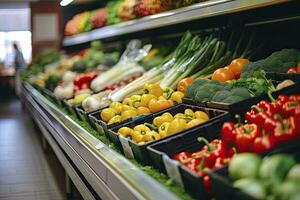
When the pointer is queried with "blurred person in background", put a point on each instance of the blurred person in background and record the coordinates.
(20, 65)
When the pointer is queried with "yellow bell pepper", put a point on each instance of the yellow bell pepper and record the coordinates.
(168, 93)
(162, 98)
(107, 114)
(176, 126)
(135, 100)
(135, 97)
(163, 129)
(146, 98)
(138, 132)
(127, 101)
(151, 136)
(179, 116)
(195, 122)
(125, 132)
(158, 105)
(177, 97)
(115, 119)
(189, 112)
(137, 136)
(125, 107)
(142, 129)
(166, 117)
(128, 114)
(154, 89)
(143, 110)
(117, 106)
(201, 115)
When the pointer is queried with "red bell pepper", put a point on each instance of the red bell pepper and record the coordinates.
(263, 144)
(196, 164)
(289, 108)
(295, 98)
(245, 136)
(287, 130)
(211, 151)
(228, 134)
(183, 157)
(293, 70)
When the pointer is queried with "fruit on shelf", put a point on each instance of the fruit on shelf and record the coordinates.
(153, 99)
(211, 156)
(98, 18)
(149, 7)
(126, 11)
(231, 72)
(268, 124)
(78, 99)
(163, 125)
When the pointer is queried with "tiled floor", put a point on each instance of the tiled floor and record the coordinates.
(26, 171)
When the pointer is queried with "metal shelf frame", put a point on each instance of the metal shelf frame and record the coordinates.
(106, 173)
(191, 13)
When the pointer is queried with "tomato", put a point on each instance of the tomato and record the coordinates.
(183, 84)
(223, 75)
(237, 65)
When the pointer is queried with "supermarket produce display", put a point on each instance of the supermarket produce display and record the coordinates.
(213, 114)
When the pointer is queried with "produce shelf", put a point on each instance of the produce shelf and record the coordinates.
(96, 169)
(195, 12)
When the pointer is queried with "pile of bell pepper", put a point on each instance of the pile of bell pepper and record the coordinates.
(212, 156)
(268, 124)
(163, 126)
(153, 99)
(83, 81)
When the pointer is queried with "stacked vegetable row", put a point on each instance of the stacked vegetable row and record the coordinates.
(148, 121)
(120, 10)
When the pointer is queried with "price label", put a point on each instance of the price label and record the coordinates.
(126, 147)
(172, 168)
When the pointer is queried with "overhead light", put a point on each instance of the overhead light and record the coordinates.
(65, 2)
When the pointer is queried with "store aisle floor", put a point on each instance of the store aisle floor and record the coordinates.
(25, 171)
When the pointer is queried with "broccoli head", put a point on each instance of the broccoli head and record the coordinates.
(205, 92)
(279, 61)
(191, 89)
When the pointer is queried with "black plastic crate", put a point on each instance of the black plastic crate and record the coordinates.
(94, 118)
(222, 186)
(83, 115)
(283, 76)
(162, 152)
(71, 109)
(240, 107)
(140, 152)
